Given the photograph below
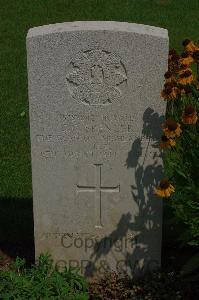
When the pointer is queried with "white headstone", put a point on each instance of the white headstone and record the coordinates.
(95, 115)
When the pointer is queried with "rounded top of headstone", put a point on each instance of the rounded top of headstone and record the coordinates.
(98, 26)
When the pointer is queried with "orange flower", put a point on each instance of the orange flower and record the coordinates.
(169, 77)
(172, 129)
(185, 77)
(173, 56)
(189, 46)
(164, 189)
(183, 69)
(173, 61)
(186, 59)
(190, 115)
(166, 142)
(170, 91)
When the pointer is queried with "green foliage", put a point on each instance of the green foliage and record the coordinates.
(22, 114)
(42, 281)
(182, 169)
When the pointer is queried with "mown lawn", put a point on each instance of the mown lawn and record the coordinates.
(180, 17)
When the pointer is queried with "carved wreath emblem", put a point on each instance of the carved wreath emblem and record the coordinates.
(96, 77)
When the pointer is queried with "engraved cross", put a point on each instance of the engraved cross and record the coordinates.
(98, 189)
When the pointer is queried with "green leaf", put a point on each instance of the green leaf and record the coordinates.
(181, 173)
(193, 243)
(22, 114)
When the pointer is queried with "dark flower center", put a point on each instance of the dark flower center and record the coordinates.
(187, 73)
(196, 55)
(183, 66)
(168, 90)
(164, 138)
(167, 74)
(175, 57)
(168, 87)
(172, 52)
(164, 183)
(171, 124)
(184, 55)
(186, 42)
(169, 84)
(189, 109)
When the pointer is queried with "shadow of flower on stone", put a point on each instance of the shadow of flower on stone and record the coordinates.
(142, 232)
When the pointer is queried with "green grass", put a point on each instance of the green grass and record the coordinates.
(180, 17)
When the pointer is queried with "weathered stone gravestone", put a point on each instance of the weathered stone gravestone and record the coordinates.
(95, 115)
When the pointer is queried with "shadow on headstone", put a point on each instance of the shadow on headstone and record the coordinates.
(146, 222)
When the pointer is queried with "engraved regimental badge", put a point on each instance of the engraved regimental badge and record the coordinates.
(96, 77)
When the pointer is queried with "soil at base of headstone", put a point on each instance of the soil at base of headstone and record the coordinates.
(155, 286)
